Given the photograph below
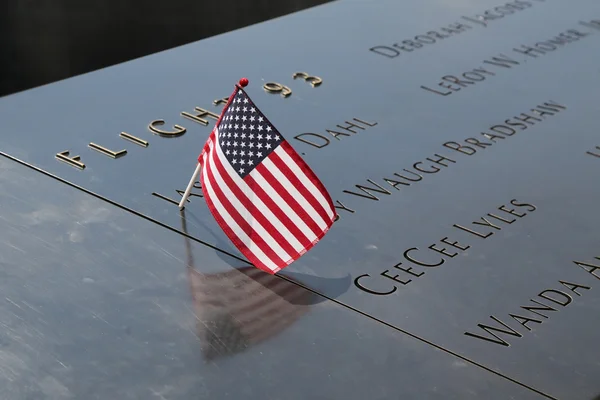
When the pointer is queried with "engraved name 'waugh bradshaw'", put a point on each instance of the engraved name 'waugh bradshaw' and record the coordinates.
(432, 165)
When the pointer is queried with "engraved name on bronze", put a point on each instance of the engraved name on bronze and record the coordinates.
(589, 267)
(421, 40)
(508, 128)
(594, 24)
(376, 189)
(487, 225)
(537, 311)
(450, 84)
(193, 194)
(425, 39)
(501, 11)
(417, 261)
(340, 131)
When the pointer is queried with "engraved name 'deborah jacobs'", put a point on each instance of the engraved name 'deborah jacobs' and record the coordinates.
(416, 262)
(537, 311)
(430, 37)
(374, 190)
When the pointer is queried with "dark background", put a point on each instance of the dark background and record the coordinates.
(42, 41)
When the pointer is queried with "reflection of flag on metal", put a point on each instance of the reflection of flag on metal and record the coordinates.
(262, 194)
(238, 309)
(241, 307)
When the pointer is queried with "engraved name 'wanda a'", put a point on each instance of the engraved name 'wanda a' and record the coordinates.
(524, 319)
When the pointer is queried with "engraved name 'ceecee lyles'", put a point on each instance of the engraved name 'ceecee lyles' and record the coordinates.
(437, 254)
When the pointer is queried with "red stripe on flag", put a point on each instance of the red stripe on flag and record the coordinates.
(300, 186)
(309, 173)
(268, 201)
(252, 209)
(280, 210)
(228, 231)
(206, 148)
(288, 198)
(241, 222)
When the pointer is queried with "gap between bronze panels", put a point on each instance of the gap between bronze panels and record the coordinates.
(8, 156)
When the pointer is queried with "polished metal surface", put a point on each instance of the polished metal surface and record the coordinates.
(97, 303)
(547, 174)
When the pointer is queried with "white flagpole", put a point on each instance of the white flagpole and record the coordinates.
(190, 185)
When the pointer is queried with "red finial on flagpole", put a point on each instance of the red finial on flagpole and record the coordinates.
(244, 82)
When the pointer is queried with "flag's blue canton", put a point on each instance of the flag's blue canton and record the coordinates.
(246, 137)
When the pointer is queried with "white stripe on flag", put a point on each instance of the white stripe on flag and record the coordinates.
(250, 245)
(243, 211)
(291, 239)
(291, 214)
(293, 166)
(285, 182)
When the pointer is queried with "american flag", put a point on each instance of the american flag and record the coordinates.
(260, 191)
